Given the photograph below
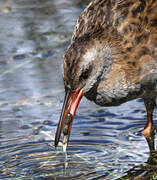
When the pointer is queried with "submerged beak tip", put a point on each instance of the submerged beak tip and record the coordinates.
(55, 144)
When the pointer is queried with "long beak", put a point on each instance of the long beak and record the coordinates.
(71, 102)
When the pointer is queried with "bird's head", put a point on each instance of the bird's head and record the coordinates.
(85, 64)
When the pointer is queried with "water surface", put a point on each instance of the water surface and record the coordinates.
(105, 143)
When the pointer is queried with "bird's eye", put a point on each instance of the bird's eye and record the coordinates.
(84, 74)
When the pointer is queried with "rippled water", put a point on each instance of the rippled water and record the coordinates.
(105, 142)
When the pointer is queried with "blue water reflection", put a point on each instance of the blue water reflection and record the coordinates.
(105, 142)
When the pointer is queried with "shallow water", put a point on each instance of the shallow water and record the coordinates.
(105, 142)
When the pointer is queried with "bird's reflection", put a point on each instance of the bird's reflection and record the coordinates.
(152, 160)
(147, 170)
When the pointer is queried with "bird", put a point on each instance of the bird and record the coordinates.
(112, 59)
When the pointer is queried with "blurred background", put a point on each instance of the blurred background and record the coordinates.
(105, 142)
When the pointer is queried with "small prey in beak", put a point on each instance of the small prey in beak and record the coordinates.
(66, 130)
(71, 102)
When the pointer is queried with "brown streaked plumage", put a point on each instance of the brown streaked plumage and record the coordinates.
(112, 57)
